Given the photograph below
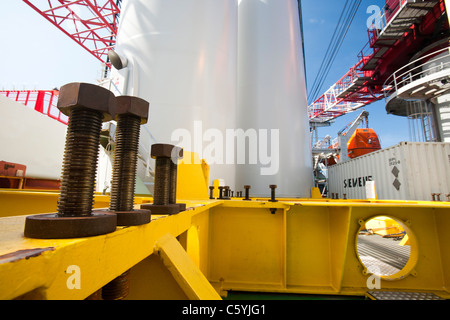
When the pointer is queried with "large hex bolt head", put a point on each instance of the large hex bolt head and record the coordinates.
(85, 95)
(166, 151)
(132, 105)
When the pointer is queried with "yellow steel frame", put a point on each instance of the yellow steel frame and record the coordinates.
(306, 246)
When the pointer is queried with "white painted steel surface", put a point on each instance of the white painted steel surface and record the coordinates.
(182, 58)
(442, 105)
(407, 171)
(200, 72)
(32, 139)
(272, 93)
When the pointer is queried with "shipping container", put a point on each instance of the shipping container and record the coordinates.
(407, 171)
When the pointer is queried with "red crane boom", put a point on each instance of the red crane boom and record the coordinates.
(91, 23)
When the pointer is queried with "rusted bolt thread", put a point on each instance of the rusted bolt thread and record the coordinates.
(211, 192)
(173, 182)
(433, 195)
(227, 191)
(80, 163)
(162, 181)
(117, 289)
(220, 192)
(125, 162)
(448, 197)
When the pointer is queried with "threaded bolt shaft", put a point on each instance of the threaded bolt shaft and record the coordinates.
(272, 193)
(125, 162)
(227, 192)
(117, 289)
(173, 182)
(247, 193)
(80, 163)
(162, 181)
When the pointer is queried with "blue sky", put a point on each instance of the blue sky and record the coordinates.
(319, 22)
(37, 55)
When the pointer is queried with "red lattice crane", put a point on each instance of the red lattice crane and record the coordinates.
(93, 24)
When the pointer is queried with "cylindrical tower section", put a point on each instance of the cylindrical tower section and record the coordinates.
(442, 105)
(182, 57)
(272, 98)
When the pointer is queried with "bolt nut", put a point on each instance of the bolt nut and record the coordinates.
(131, 105)
(85, 95)
(166, 151)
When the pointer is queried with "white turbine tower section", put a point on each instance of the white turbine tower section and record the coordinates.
(224, 72)
(182, 58)
(272, 94)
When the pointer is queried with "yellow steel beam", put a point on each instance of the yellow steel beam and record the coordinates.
(305, 246)
(42, 269)
(185, 272)
(311, 247)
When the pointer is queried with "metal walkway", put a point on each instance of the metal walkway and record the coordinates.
(383, 253)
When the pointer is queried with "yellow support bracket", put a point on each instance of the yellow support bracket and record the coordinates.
(188, 276)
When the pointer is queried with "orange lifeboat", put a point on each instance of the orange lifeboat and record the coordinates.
(362, 142)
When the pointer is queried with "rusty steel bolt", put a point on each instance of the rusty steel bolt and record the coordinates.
(162, 153)
(448, 197)
(438, 197)
(211, 192)
(247, 193)
(433, 195)
(227, 193)
(130, 113)
(272, 193)
(221, 192)
(87, 106)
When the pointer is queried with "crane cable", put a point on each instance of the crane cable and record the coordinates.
(347, 15)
